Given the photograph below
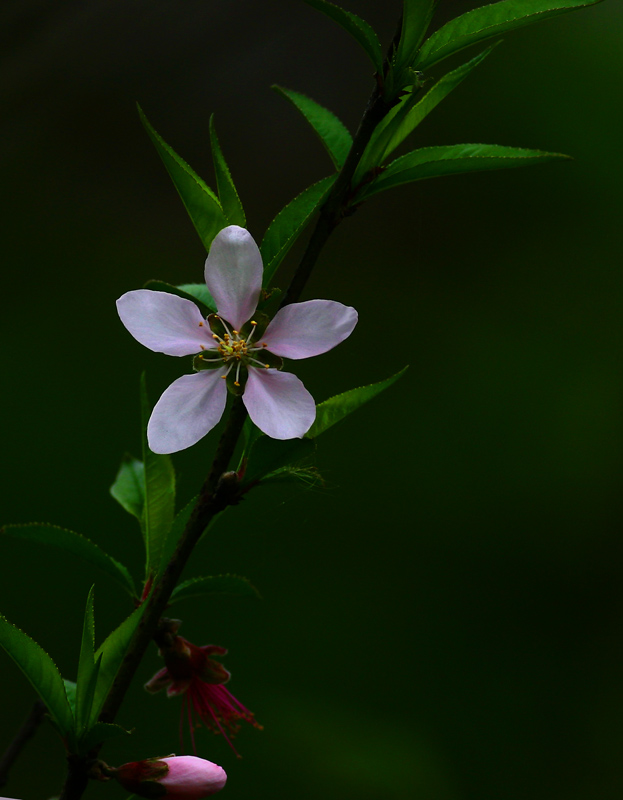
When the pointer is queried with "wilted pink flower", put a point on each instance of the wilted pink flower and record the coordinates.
(277, 402)
(192, 673)
(174, 777)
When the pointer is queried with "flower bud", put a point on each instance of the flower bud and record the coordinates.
(174, 777)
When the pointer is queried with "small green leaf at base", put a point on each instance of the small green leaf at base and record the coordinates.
(40, 671)
(214, 584)
(336, 408)
(128, 488)
(99, 733)
(269, 455)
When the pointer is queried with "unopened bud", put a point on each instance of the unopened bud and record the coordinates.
(173, 777)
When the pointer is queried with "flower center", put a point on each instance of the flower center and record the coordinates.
(237, 349)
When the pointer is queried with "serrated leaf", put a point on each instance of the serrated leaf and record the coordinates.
(197, 293)
(434, 162)
(269, 455)
(86, 667)
(360, 30)
(159, 509)
(329, 129)
(407, 115)
(99, 733)
(128, 488)
(70, 691)
(202, 205)
(336, 408)
(112, 652)
(416, 17)
(214, 584)
(288, 224)
(487, 21)
(78, 545)
(41, 672)
(230, 201)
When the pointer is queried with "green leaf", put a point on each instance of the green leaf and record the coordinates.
(332, 133)
(288, 224)
(78, 545)
(269, 455)
(214, 584)
(129, 485)
(336, 408)
(159, 508)
(86, 667)
(174, 533)
(357, 27)
(416, 17)
(433, 162)
(99, 733)
(40, 671)
(227, 193)
(112, 652)
(70, 691)
(202, 205)
(407, 115)
(487, 21)
(195, 292)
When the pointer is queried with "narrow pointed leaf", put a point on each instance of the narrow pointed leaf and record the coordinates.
(129, 486)
(112, 652)
(86, 664)
(99, 733)
(159, 508)
(487, 21)
(195, 292)
(336, 408)
(433, 162)
(357, 27)
(232, 207)
(202, 205)
(269, 455)
(70, 691)
(288, 224)
(214, 584)
(40, 671)
(78, 545)
(330, 130)
(416, 17)
(407, 115)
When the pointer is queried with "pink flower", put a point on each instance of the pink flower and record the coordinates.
(174, 777)
(191, 672)
(230, 345)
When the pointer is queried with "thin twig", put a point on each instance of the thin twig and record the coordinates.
(26, 732)
(215, 495)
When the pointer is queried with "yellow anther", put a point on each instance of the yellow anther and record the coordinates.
(201, 324)
(214, 336)
(253, 322)
(266, 366)
(224, 377)
(264, 344)
(202, 346)
(236, 383)
(235, 333)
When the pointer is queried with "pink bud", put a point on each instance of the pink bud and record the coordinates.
(174, 778)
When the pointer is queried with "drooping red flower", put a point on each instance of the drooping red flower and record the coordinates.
(190, 671)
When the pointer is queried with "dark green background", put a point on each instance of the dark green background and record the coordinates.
(444, 619)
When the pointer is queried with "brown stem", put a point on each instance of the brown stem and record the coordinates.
(215, 494)
(26, 732)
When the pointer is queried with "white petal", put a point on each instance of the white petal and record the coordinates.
(187, 410)
(165, 323)
(301, 330)
(278, 403)
(233, 274)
